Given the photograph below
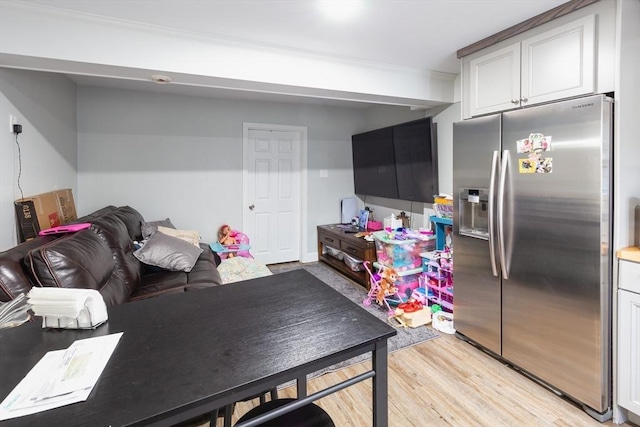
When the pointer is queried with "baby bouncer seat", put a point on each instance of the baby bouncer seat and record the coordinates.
(241, 246)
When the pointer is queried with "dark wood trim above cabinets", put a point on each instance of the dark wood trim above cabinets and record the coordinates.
(536, 21)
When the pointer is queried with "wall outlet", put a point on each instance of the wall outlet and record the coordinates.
(12, 121)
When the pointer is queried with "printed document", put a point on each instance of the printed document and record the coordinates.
(61, 377)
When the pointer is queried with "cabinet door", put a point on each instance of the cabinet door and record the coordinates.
(629, 351)
(495, 81)
(559, 63)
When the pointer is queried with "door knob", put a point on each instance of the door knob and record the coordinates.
(514, 101)
(523, 99)
(251, 207)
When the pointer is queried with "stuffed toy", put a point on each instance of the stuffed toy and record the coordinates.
(388, 277)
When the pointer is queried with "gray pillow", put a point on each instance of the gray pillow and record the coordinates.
(148, 228)
(168, 252)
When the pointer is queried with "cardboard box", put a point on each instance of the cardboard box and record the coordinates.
(43, 211)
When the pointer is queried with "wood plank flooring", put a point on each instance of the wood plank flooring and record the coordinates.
(445, 382)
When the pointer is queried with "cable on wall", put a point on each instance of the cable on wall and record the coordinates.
(17, 130)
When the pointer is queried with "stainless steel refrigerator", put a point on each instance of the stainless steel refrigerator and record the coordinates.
(531, 241)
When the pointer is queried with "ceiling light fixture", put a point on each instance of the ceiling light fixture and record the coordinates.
(160, 79)
(340, 10)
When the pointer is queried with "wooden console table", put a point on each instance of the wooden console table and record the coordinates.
(357, 247)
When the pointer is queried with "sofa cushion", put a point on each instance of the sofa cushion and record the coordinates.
(132, 219)
(115, 234)
(14, 277)
(168, 252)
(160, 283)
(79, 260)
(148, 228)
(205, 272)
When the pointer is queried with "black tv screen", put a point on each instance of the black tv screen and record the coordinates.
(397, 162)
(416, 160)
(374, 166)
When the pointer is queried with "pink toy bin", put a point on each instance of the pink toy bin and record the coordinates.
(407, 284)
(402, 254)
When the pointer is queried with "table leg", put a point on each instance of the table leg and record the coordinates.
(380, 385)
(302, 386)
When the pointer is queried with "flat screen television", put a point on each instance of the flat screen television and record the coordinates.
(374, 164)
(397, 162)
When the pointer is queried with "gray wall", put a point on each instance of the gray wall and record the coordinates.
(180, 156)
(45, 106)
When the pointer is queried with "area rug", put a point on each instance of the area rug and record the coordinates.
(406, 336)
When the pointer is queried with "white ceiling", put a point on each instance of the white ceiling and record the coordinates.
(421, 34)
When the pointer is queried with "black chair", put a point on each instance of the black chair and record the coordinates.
(310, 415)
(227, 411)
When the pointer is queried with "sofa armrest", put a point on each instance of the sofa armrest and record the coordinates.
(14, 277)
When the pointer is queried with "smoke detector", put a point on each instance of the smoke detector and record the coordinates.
(160, 79)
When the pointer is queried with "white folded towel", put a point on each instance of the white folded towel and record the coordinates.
(68, 308)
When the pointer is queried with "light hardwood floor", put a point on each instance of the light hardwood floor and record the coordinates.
(445, 382)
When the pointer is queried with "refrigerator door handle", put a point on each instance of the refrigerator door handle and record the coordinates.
(503, 181)
(495, 165)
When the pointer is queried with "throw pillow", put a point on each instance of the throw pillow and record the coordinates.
(148, 228)
(169, 253)
(191, 236)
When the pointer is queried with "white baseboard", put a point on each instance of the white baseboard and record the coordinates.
(310, 257)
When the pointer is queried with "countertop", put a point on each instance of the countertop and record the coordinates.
(631, 253)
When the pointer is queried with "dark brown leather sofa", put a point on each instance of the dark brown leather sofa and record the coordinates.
(100, 257)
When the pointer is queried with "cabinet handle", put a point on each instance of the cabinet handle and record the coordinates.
(524, 99)
(514, 101)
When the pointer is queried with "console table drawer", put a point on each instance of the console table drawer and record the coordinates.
(352, 250)
(329, 240)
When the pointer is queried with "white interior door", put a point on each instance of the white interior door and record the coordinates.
(272, 213)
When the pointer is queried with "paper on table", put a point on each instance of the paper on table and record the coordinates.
(69, 376)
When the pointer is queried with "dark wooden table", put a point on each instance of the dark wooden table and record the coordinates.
(185, 355)
(335, 237)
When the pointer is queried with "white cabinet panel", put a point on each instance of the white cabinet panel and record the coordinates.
(495, 81)
(556, 64)
(629, 276)
(559, 63)
(629, 351)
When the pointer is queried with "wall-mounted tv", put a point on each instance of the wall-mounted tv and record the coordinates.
(374, 164)
(397, 162)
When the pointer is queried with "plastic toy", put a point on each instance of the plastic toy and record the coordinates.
(69, 228)
(382, 289)
(412, 314)
(231, 243)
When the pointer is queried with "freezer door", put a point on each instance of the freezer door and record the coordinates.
(476, 298)
(556, 297)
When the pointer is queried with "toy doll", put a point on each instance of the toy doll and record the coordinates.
(226, 237)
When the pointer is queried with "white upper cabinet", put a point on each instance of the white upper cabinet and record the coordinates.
(559, 63)
(556, 64)
(536, 67)
(495, 81)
